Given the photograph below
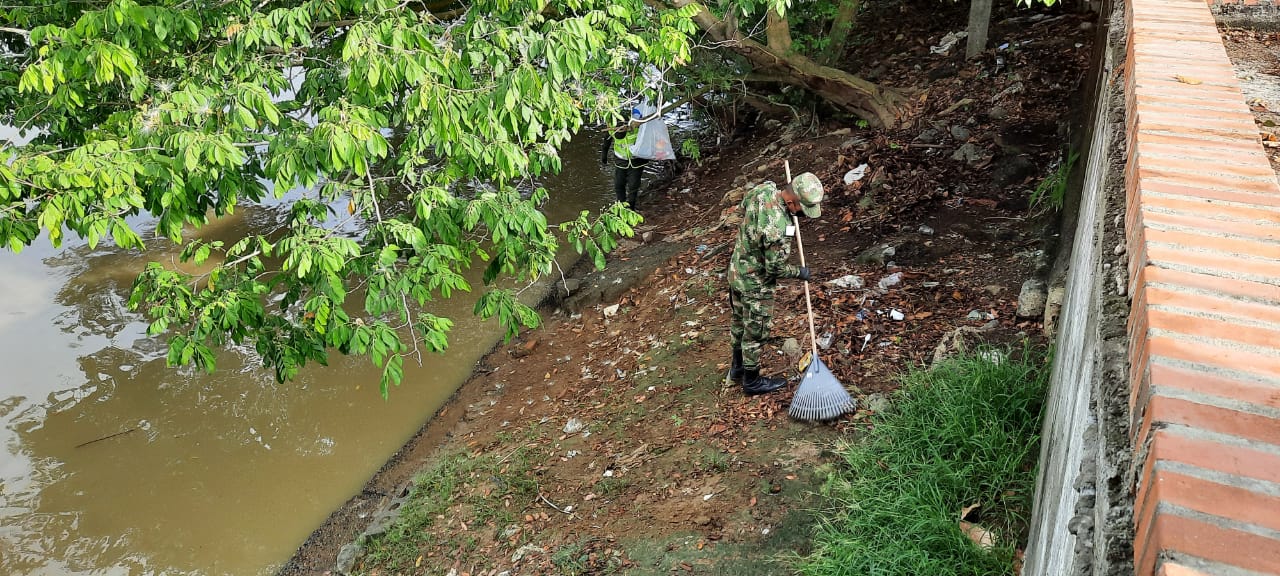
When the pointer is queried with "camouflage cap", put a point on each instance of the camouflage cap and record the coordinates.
(808, 189)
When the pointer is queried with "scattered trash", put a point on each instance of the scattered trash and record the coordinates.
(574, 426)
(992, 356)
(571, 453)
(889, 281)
(611, 311)
(980, 315)
(948, 42)
(856, 174)
(608, 474)
(702, 248)
(862, 315)
(866, 339)
(930, 284)
(925, 230)
(896, 315)
(707, 497)
(824, 341)
(847, 282)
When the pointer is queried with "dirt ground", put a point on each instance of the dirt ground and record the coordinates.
(1255, 54)
(673, 471)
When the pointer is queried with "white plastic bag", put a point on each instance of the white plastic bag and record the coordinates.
(652, 140)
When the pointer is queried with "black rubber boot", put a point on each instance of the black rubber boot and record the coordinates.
(735, 369)
(753, 383)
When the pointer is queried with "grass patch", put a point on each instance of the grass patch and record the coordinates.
(1052, 191)
(460, 485)
(611, 486)
(713, 460)
(966, 432)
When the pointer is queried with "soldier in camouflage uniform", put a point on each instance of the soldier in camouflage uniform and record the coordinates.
(759, 260)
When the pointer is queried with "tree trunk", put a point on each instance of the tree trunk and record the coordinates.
(979, 19)
(778, 32)
(879, 106)
(840, 28)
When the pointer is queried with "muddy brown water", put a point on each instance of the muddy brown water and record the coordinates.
(191, 473)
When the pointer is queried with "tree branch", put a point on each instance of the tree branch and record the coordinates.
(18, 31)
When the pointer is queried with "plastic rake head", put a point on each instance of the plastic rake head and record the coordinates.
(820, 396)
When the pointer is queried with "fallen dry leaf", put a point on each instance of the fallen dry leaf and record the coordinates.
(980, 536)
(1186, 79)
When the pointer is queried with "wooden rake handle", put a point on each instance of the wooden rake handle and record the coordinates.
(813, 334)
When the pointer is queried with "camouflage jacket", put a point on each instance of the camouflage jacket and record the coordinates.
(763, 247)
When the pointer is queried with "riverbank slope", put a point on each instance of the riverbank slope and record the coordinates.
(607, 441)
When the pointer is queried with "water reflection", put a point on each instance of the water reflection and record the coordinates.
(113, 464)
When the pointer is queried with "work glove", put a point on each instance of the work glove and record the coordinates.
(804, 273)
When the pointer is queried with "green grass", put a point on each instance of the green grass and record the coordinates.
(1052, 191)
(964, 433)
(444, 486)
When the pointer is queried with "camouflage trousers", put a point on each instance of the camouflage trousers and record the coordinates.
(752, 321)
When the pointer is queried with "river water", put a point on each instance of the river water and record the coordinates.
(209, 474)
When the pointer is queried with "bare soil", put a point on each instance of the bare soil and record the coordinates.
(679, 472)
(1255, 54)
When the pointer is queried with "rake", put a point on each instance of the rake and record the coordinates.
(820, 395)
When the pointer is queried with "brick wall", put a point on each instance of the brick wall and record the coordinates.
(1203, 239)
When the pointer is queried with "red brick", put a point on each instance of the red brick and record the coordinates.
(1265, 293)
(1150, 59)
(1157, 218)
(1193, 120)
(1226, 458)
(1214, 385)
(1193, 537)
(1146, 535)
(1161, 408)
(1219, 499)
(1161, 50)
(1227, 246)
(1246, 190)
(1210, 202)
(1139, 350)
(1173, 87)
(1186, 100)
(1214, 264)
(1244, 172)
(1175, 123)
(1169, 568)
(1211, 304)
(1173, 160)
(1211, 153)
(1261, 365)
(1180, 138)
